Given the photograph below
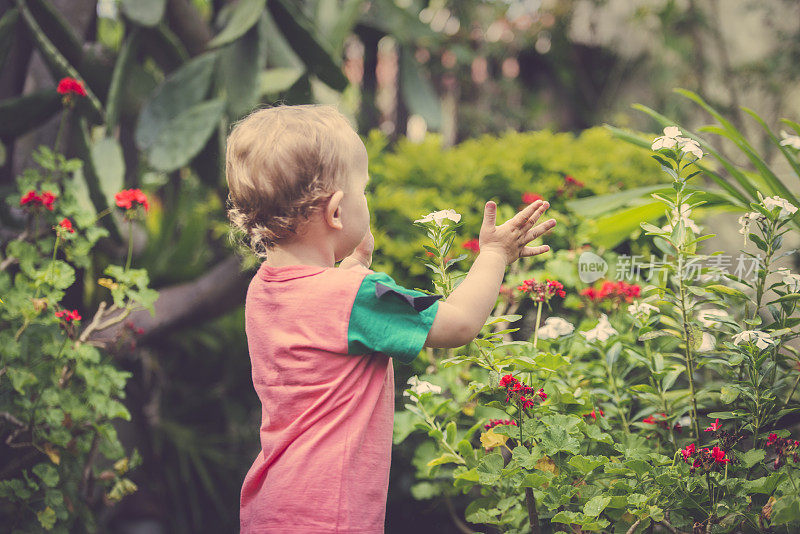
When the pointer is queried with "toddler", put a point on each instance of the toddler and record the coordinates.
(322, 339)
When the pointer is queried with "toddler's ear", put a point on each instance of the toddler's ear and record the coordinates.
(333, 211)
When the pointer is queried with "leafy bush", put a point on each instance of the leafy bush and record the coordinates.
(669, 404)
(59, 393)
(413, 179)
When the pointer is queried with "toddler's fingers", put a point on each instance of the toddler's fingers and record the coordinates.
(520, 219)
(539, 230)
(533, 251)
(489, 215)
(531, 220)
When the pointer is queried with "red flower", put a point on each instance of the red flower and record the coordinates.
(593, 414)
(472, 245)
(66, 224)
(68, 316)
(71, 86)
(651, 420)
(570, 181)
(128, 198)
(719, 456)
(46, 199)
(542, 394)
(772, 438)
(530, 198)
(494, 422)
(613, 291)
(688, 451)
(508, 380)
(714, 426)
(542, 291)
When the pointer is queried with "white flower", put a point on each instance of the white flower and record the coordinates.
(687, 221)
(439, 216)
(748, 219)
(691, 146)
(668, 140)
(708, 343)
(420, 386)
(705, 317)
(776, 201)
(641, 309)
(761, 339)
(601, 332)
(555, 327)
(791, 280)
(790, 140)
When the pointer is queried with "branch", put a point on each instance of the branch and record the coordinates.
(221, 289)
(460, 525)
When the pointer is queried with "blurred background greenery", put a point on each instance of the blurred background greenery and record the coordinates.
(440, 91)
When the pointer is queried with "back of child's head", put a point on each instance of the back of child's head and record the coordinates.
(281, 163)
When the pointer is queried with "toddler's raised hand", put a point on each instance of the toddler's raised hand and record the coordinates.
(510, 238)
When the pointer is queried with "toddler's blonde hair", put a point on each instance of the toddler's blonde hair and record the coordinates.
(280, 164)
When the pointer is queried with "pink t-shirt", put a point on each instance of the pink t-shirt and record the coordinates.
(327, 411)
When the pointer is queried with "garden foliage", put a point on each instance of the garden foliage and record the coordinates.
(669, 401)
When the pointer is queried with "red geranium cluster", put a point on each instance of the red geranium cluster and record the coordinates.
(530, 198)
(519, 392)
(31, 198)
(705, 458)
(66, 224)
(784, 448)
(494, 422)
(129, 198)
(713, 427)
(71, 86)
(472, 245)
(662, 421)
(68, 316)
(570, 186)
(593, 414)
(619, 291)
(542, 291)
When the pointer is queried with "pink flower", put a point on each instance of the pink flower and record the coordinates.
(714, 426)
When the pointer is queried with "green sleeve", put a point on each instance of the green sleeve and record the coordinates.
(390, 319)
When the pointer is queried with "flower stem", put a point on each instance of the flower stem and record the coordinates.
(60, 129)
(538, 321)
(130, 245)
(533, 516)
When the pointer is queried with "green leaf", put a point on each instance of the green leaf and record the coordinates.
(8, 32)
(301, 34)
(243, 17)
(144, 12)
(596, 505)
(751, 457)
(182, 90)
(25, 113)
(786, 510)
(446, 458)
(47, 518)
(489, 469)
(47, 473)
(596, 205)
(587, 464)
(555, 439)
(550, 362)
(418, 92)
(183, 137)
(278, 80)
(728, 394)
(20, 379)
(109, 163)
(120, 78)
(238, 71)
(726, 290)
(612, 229)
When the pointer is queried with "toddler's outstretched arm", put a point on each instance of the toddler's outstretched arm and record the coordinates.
(461, 317)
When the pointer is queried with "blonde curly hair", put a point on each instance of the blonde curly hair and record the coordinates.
(281, 163)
